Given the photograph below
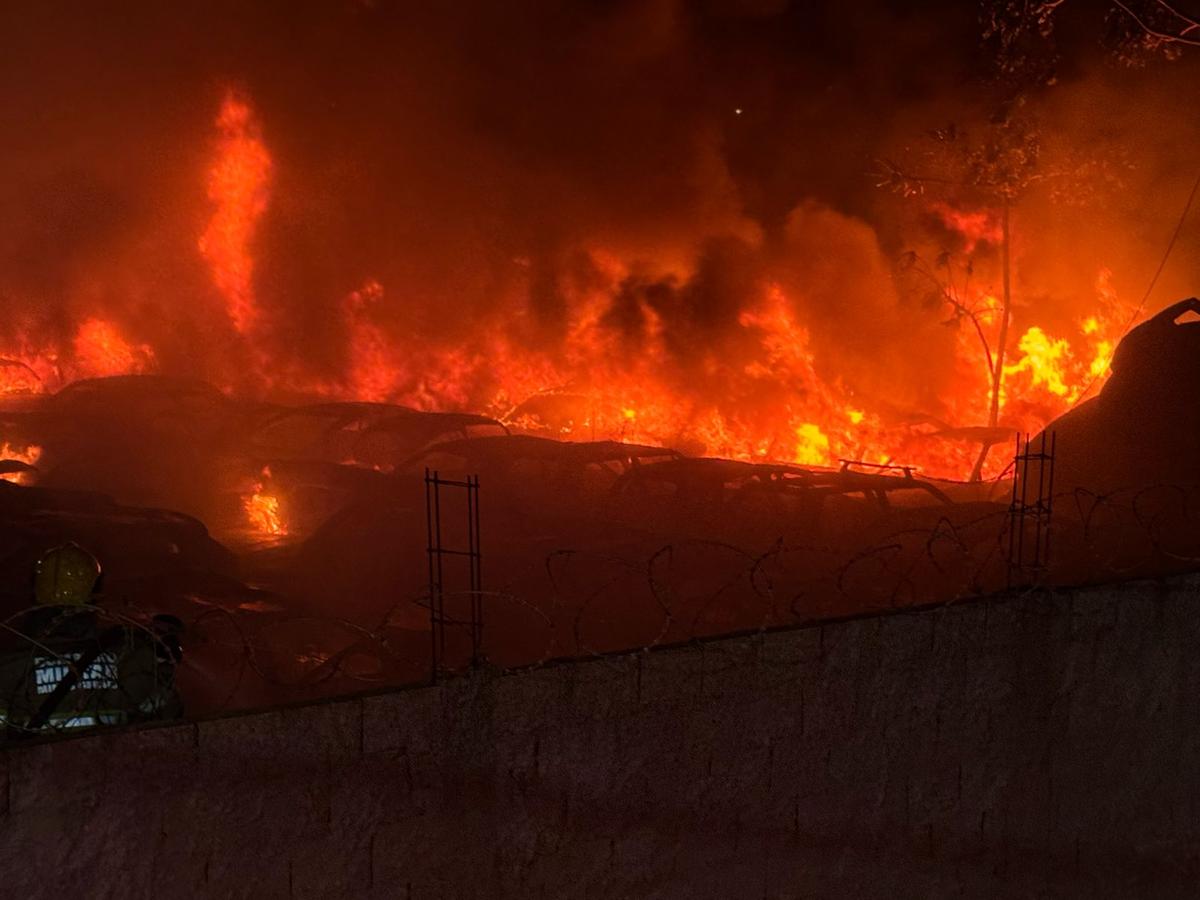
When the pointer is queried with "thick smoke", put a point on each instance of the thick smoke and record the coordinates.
(490, 164)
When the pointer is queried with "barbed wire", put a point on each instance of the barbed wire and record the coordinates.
(70, 667)
(594, 604)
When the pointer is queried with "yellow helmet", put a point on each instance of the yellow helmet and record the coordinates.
(66, 576)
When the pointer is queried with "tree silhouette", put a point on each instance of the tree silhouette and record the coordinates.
(1021, 32)
(995, 169)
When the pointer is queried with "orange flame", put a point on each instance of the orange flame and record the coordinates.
(238, 187)
(263, 510)
(18, 377)
(975, 226)
(775, 404)
(101, 350)
(29, 455)
(770, 397)
(804, 417)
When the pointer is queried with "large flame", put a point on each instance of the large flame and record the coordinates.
(238, 188)
(784, 410)
(758, 391)
(97, 348)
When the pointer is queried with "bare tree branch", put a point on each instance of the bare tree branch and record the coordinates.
(1179, 38)
(1192, 24)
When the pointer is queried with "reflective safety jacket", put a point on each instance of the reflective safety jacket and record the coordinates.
(66, 671)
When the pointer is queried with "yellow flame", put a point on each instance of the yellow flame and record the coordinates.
(1044, 358)
(263, 512)
(812, 446)
(1102, 359)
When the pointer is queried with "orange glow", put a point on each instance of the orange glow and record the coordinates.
(28, 365)
(96, 349)
(975, 226)
(375, 372)
(238, 188)
(18, 377)
(773, 403)
(263, 510)
(29, 455)
(790, 412)
(101, 350)
(763, 386)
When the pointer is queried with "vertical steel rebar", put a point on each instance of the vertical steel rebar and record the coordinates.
(436, 552)
(472, 559)
(1041, 458)
(1024, 508)
(1050, 494)
(1040, 508)
(1012, 508)
(471, 592)
(433, 654)
(478, 572)
(437, 531)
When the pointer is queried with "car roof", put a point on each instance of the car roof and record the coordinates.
(418, 418)
(515, 446)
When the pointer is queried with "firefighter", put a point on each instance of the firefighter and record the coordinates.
(69, 670)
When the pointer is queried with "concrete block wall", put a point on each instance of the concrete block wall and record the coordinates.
(1044, 745)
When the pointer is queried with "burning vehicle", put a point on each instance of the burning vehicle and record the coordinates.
(302, 464)
(569, 470)
(149, 440)
(374, 435)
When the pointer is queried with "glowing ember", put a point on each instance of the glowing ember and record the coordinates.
(238, 187)
(263, 511)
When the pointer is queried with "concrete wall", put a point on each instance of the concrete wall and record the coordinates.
(1029, 746)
